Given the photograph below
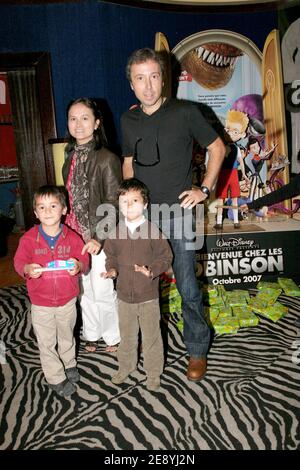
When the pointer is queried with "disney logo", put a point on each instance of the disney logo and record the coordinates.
(221, 243)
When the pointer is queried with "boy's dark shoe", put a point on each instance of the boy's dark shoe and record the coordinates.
(68, 389)
(63, 389)
(73, 375)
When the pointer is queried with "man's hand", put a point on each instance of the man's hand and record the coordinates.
(92, 247)
(110, 274)
(192, 198)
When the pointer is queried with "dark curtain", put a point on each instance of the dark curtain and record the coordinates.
(28, 136)
(90, 41)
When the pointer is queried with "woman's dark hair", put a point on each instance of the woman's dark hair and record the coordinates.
(142, 55)
(133, 184)
(99, 133)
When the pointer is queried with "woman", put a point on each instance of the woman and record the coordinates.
(92, 175)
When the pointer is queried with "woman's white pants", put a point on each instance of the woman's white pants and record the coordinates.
(98, 302)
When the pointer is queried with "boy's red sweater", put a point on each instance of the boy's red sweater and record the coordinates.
(52, 288)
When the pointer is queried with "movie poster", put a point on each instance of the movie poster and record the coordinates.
(217, 75)
(242, 260)
(227, 84)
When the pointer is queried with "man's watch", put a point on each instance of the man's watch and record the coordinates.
(205, 190)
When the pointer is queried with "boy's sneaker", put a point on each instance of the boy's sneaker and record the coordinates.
(68, 389)
(63, 389)
(153, 384)
(73, 375)
(120, 377)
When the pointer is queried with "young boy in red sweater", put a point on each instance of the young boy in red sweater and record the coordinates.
(53, 292)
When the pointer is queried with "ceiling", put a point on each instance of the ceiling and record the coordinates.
(178, 5)
(216, 2)
(192, 5)
(166, 2)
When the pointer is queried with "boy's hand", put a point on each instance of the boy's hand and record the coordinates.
(33, 270)
(144, 270)
(77, 267)
(110, 274)
(92, 247)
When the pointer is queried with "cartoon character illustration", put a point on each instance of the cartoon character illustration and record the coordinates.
(228, 182)
(255, 159)
(252, 105)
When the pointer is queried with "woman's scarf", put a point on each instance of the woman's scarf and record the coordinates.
(80, 189)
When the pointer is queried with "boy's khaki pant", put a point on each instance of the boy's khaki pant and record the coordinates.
(53, 327)
(146, 316)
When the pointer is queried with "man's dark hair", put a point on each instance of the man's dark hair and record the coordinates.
(133, 184)
(51, 190)
(142, 55)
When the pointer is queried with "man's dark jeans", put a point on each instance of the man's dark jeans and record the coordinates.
(196, 332)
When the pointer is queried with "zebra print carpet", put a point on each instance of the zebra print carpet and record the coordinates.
(249, 398)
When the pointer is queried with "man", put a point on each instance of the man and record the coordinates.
(157, 147)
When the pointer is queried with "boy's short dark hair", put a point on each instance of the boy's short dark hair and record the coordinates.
(252, 140)
(51, 190)
(133, 184)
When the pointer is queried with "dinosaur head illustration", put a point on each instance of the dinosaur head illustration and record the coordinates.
(212, 65)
